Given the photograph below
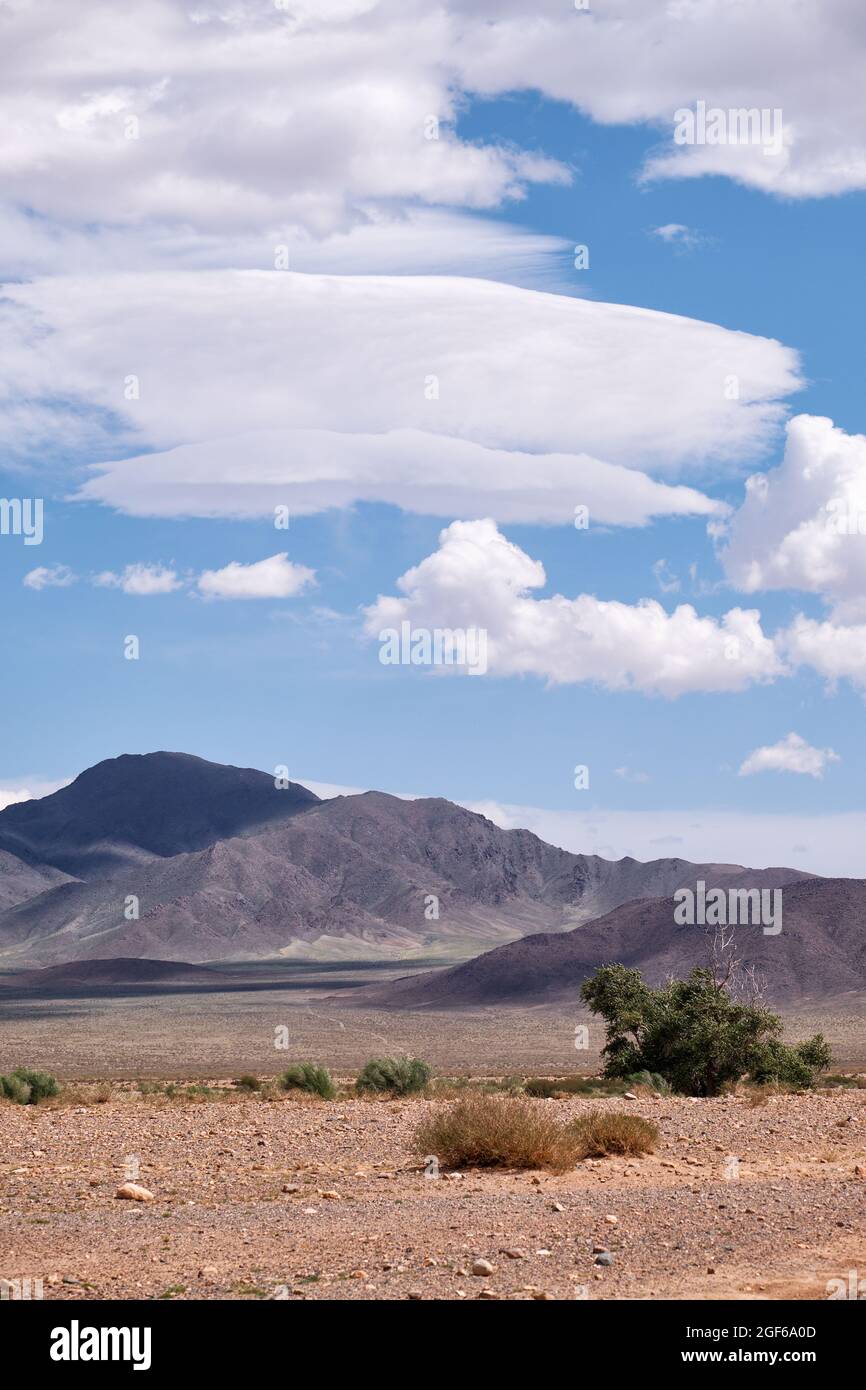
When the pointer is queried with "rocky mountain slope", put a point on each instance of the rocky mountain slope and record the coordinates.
(179, 859)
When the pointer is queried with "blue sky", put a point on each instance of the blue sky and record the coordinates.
(292, 676)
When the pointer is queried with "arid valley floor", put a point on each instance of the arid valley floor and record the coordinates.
(306, 1199)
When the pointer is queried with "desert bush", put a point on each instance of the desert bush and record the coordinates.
(794, 1067)
(248, 1083)
(396, 1076)
(27, 1087)
(601, 1133)
(694, 1034)
(487, 1131)
(843, 1082)
(308, 1077)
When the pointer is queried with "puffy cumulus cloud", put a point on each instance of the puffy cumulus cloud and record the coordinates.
(214, 365)
(479, 579)
(275, 577)
(790, 754)
(296, 121)
(837, 651)
(803, 525)
(49, 577)
(140, 581)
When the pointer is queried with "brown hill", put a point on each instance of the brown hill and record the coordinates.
(128, 810)
(373, 871)
(117, 970)
(820, 951)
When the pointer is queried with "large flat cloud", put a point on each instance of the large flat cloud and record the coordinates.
(227, 373)
(479, 579)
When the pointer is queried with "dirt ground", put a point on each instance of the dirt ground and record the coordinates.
(261, 1025)
(314, 1200)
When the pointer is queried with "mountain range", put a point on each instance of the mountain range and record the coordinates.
(168, 857)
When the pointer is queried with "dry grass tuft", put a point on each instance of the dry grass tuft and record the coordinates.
(600, 1133)
(491, 1131)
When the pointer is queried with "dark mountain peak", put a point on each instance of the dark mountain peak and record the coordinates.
(139, 805)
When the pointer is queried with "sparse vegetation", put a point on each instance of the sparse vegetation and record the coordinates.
(310, 1078)
(694, 1034)
(396, 1076)
(602, 1133)
(26, 1087)
(487, 1131)
(248, 1083)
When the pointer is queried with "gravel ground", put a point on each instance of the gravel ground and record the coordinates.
(308, 1200)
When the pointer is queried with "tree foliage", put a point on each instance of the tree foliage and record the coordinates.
(694, 1034)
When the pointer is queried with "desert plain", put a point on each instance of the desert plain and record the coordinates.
(266, 1196)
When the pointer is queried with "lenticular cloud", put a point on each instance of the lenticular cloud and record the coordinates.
(229, 392)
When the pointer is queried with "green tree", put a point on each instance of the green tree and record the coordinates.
(694, 1034)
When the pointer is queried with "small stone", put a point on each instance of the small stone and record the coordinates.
(291, 1187)
(513, 1253)
(541, 1295)
(482, 1268)
(605, 1258)
(329, 1194)
(134, 1192)
(414, 1294)
(557, 1206)
(629, 1095)
(612, 1220)
(488, 1293)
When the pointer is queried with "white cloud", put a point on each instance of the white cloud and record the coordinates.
(834, 650)
(140, 581)
(34, 789)
(242, 118)
(790, 754)
(184, 128)
(310, 396)
(478, 579)
(276, 577)
(681, 237)
(803, 525)
(49, 577)
(677, 52)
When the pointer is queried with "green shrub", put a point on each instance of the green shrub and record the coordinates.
(693, 1034)
(396, 1076)
(306, 1076)
(248, 1083)
(27, 1087)
(546, 1087)
(790, 1066)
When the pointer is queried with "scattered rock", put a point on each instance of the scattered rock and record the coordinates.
(482, 1267)
(134, 1192)
(604, 1258)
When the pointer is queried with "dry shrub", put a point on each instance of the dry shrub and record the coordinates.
(491, 1131)
(600, 1133)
